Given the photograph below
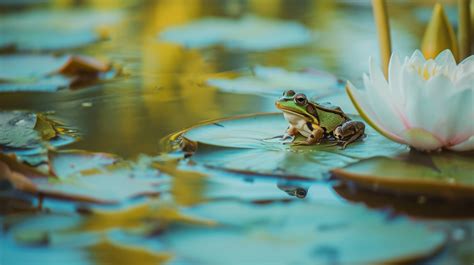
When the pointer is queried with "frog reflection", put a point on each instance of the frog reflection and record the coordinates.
(293, 189)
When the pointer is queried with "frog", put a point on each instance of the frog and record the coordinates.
(317, 122)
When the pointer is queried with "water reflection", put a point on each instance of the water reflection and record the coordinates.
(163, 91)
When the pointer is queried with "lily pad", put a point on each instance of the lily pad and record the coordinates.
(70, 162)
(193, 185)
(89, 179)
(418, 205)
(29, 133)
(244, 144)
(53, 30)
(247, 33)
(46, 73)
(302, 233)
(273, 81)
(445, 174)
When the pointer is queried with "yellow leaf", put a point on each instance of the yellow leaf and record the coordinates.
(439, 35)
(136, 218)
(106, 253)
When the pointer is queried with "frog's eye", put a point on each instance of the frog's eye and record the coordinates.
(300, 99)
(300, 193)
(289, 93)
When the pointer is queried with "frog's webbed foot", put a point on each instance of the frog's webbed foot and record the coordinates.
(353, 138)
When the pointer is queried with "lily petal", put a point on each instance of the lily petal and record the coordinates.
(428, 110)
(380, 99)
(446, 58)
(421, 139)
(466, 67)
(456, 124)
(417, 58)
(465, 74)
(367, 114)
(394, 77)
(464, 146)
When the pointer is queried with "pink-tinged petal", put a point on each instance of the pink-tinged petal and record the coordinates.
(456, 123)
(365, 110)
(412, 86)
(421, 139)
(464, 146)
(428, 110)
(381, 100)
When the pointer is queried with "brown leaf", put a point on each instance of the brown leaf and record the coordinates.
(78, 65)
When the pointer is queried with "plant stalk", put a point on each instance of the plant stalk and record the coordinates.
(383, 31)
(464, 30)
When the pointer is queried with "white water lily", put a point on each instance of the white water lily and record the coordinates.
(427, 104)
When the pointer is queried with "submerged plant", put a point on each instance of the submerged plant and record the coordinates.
(427, 104)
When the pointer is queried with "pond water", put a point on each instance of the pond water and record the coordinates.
(163, 89)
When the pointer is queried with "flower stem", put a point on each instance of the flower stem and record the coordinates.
(383, 30)
(464, 31)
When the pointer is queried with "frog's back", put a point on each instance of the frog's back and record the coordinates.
(331, 116)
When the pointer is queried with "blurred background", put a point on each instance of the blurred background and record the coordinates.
(167, 52)
(163, 86)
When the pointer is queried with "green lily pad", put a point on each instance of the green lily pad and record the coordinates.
(243, 144)
(247, 33)
(53, 30)
(443, 174)
(273, 81)
(301, 233)
(29, 133)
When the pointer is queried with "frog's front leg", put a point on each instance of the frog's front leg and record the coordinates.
(349, 132)
(292, 131)
(317, 133)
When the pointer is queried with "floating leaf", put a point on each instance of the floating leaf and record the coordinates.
(302, 233)
(70, 162)
(445, 174)
(47, 73)
(418, 205)
(53, 30)
(106, 253)
(98, 184)
(272, 81)
(241, 144)
(150, 215)
(191, 185)
(29, 133)
(248, 33)
(17, 129)
(18, 180)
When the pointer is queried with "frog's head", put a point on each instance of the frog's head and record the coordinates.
(296, 104)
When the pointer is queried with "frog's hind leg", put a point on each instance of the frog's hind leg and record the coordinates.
(352, 139)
